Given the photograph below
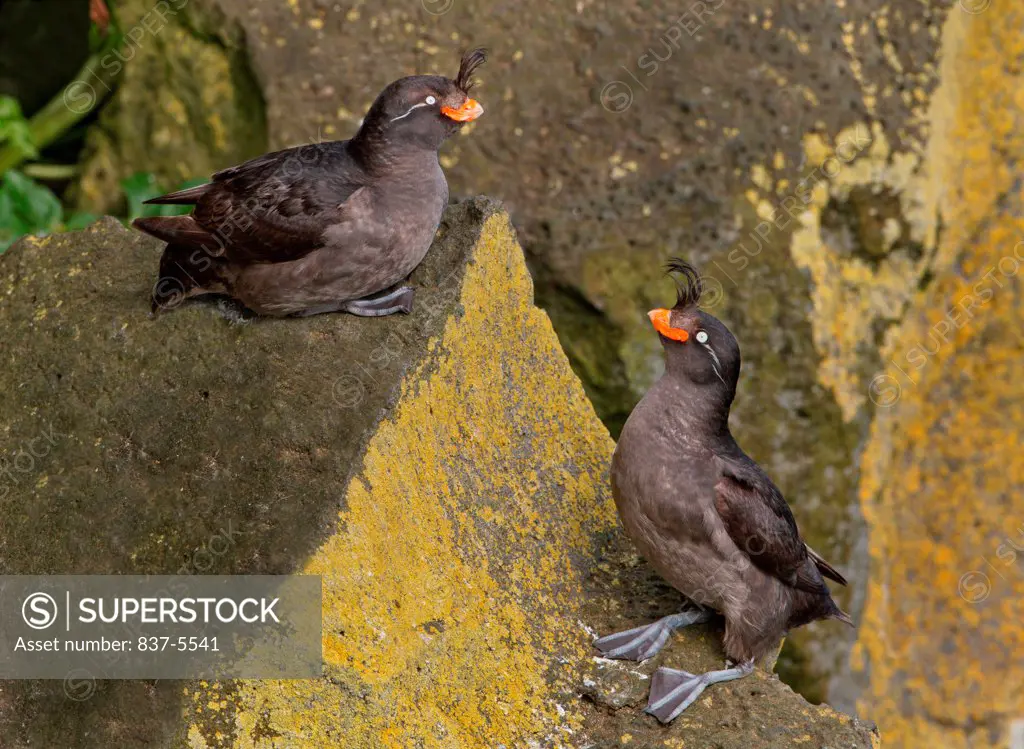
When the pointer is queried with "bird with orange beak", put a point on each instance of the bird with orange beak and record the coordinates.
(704, 514)
(327, 227)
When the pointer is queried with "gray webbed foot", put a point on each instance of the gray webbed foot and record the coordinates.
(673, 691)
(399, 300)
(641, 643)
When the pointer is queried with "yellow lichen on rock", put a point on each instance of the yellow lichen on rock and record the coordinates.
(850, 294)
(449, 586)
(942, 634)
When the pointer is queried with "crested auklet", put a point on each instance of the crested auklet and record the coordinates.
(324, 227)
(705, 515)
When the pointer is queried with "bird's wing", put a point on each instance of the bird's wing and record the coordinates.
(761, 524)
(274, 208)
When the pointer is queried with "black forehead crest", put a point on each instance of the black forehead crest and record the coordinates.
(689, 283)
(471, 60)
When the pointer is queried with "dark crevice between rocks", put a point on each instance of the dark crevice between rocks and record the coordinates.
(858, 225)
(26, 29)
(591, 344)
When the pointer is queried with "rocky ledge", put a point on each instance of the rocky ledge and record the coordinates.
(444, 473)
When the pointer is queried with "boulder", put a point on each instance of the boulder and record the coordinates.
(620, 134)
(443, 471)
(942, 631)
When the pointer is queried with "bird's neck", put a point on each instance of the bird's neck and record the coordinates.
(702, 411)
(380, 155)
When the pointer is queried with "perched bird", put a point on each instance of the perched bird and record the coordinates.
(325, 227)
(705, 515)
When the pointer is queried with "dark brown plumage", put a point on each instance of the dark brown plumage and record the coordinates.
(324, 227)
(705, 515)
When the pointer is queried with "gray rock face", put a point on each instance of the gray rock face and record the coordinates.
(443, 472)
(618, 134)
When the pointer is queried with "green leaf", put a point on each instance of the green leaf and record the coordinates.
(11, 227)
(33, 202)
(79, 221)
(10, 109)
(139, 188)
(26, 207)
(7, 215)
(19, 135)
(14, 127)
(96, 39)
(142, 186)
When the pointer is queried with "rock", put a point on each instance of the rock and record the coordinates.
(187, 103)
(942, 479)
(669, 130)
(616, 684)
(444, 473)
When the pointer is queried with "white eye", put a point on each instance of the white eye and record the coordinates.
(431, 100)
(702, 337)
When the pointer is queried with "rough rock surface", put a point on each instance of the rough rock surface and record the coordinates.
(943, 472)
(444, 472)
(620, 133)
(187, 103)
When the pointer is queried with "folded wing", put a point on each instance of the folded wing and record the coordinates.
(274, 208)
(761, 524)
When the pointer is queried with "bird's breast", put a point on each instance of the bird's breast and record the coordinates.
(413, 208)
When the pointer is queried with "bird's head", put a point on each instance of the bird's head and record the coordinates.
(423, 110)
(698, 346)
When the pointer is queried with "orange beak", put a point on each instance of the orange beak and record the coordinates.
(660, 321)
(466, 113)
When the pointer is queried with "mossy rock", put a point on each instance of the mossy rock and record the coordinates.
(444, 473)
(603, 195)
(187, 102)
(942, 473)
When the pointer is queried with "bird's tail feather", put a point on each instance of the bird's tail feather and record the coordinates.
(186, 272)
(842, 616)
(824, 567)
(181, 230)
(181, 197)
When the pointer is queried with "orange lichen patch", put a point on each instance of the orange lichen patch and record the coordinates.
(450, 588)
(942, 632)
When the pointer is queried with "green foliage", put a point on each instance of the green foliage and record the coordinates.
(14, 128)
(139, 188)
(79, 221)
(27, 207)
(104, 32)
